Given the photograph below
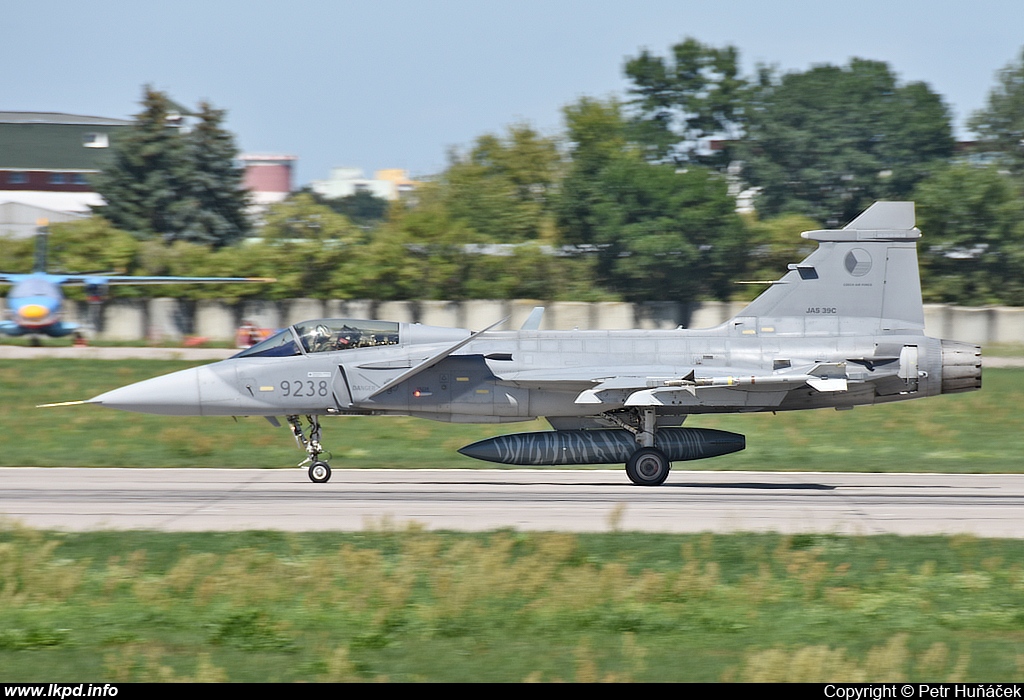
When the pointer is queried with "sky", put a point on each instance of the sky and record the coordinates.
(400, 84)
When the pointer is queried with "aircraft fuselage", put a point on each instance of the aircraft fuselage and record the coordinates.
(519, 375)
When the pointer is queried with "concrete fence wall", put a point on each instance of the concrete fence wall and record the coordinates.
(165, 319)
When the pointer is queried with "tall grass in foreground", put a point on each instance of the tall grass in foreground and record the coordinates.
(409, 605)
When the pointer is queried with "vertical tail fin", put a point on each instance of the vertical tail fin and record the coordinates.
(42, 238)
(862, 278)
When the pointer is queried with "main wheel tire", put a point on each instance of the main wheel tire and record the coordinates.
(320, 472)
(648, 466)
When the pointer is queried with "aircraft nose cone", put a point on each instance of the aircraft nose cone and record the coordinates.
(175, 394)
(34, 312)
(199, 391)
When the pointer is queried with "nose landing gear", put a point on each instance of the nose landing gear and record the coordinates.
(319, 470)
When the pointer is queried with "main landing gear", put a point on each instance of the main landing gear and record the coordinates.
(648, 466)
(319, 470)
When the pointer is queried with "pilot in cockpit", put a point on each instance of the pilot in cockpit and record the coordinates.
(348, 338)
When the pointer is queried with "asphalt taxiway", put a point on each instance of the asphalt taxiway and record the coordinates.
(987, 505)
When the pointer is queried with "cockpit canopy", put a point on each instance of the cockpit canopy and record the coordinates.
(34, 287)
(325, 335)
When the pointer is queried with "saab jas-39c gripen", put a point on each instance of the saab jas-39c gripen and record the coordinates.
(841, 329)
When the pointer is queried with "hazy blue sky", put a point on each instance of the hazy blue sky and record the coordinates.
(398, 83)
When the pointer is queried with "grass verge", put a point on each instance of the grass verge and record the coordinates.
(409, 605)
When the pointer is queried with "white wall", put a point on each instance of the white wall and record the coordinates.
(172, 319)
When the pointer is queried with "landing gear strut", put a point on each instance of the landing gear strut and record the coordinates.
(319, 470)
(648, 466)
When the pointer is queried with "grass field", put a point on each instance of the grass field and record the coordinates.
(974, 432)
(417, 606)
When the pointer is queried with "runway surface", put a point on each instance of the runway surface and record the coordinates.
(582, 501)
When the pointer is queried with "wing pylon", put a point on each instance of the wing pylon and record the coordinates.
(691, 390)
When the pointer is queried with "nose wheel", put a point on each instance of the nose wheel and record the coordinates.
(319, 470)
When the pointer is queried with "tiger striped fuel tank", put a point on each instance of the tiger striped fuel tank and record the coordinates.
(565, 447)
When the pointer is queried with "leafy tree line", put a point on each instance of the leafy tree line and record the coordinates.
(633, 200)
(827, 142)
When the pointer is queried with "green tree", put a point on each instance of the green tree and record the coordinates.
(668, 235)
(216, 201)
(502, 188)
(532, 271)
(181, 258)
(972, 246)
(92, 244)
(146, 182)
(683, 101)
(597, 137)
(387, 268)
(438, 262)
(658, 232)
(362, 208)
(310, 249)
(162, 183)
(423, 253)
(1000, 126)
(829, 141)
(499, 192)
(774, 244)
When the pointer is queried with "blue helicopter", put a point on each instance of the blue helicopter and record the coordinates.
(35, 302)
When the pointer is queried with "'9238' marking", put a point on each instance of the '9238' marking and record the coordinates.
(307, 388)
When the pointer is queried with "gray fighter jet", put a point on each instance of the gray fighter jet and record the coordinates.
(842, 328)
